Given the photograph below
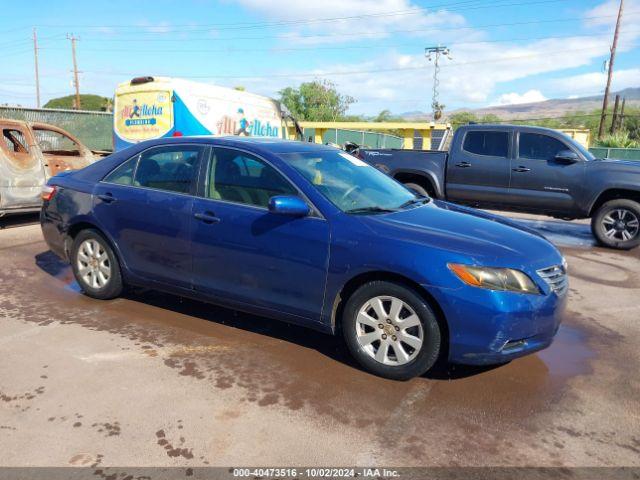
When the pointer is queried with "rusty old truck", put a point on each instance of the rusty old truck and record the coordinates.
(30, 153)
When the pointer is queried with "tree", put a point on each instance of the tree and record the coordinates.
(87, 102)
(317, 101)
(384, 116)
(463, 118)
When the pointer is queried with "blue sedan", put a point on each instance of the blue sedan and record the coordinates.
(311, 235)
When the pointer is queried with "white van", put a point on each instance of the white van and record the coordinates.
(154, 107)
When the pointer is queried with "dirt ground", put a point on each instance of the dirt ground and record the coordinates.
(153, 379)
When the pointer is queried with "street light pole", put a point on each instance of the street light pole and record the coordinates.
(433, 54)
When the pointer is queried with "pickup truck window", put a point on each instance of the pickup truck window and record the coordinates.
(55, 143)
(487, 143)
(539, 146)
(15, 141)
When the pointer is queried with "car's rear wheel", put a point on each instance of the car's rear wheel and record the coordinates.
(391, 330)
(616, 224)
(95, 265)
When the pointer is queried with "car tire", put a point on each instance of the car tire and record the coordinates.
(616, 224)
(95, 265)
(366, 339)
(418, 188)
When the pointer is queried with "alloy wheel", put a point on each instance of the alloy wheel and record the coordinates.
(389, 330)
(621, 224)
(94, 266)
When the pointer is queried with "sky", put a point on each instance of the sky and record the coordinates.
(502, 51)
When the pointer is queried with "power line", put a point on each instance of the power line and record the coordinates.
(339, 47)
(352, 72)
(457, 6)
(368, 33)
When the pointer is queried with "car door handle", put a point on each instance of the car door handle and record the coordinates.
(463, 164)
(207, 217)
(107, 198)
(521, 169)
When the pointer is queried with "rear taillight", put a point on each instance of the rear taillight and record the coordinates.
(177, 133)
(48, 191)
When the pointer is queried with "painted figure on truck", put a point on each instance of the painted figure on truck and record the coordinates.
(148, 108)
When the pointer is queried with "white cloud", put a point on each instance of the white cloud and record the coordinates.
(530, 96)
(604, 14)
(381, 18)
(157, 27)
(594, 83)
(477, 70)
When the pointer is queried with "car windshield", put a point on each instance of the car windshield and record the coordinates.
(350, 184)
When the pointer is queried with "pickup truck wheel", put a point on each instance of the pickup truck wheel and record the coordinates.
(616, 224)
(417, 188)
(391, 331)
(95, 266)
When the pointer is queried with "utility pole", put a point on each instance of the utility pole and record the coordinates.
(614, 119)
(433, 53)
(75, 69)
(612, 58)
(621, 115)
(35, 57)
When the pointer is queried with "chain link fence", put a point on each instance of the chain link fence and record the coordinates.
(618, 153)
(94, 129)
(368, 139)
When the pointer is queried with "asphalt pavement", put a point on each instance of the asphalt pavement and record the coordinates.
(153, 379)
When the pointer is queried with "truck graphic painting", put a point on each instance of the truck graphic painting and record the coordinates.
(149, 107)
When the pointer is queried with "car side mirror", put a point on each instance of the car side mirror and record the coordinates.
(567, 156)
(288, 205)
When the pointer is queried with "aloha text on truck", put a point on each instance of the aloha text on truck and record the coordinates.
(153, 107)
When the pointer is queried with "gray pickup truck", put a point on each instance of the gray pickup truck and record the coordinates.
(526, 169)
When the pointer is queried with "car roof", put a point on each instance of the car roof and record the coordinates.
(503, 127)
(254, 144)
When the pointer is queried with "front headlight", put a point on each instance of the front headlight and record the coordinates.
(505, 279)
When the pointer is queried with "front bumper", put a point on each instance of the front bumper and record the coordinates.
(488, 327)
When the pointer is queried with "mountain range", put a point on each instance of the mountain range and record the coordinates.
(548, 108)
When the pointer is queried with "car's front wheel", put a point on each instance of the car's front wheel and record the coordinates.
(95, 265)
(616, 224)
(391, 330)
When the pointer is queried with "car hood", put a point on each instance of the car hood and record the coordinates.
(468, 235)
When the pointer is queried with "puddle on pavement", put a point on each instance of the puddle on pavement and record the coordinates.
(274, 364)
(569, 355)
(562, 233)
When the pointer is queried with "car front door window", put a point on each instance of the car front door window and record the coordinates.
(239, 177)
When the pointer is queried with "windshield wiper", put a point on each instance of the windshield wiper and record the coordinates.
(413, 201)
(373, 209)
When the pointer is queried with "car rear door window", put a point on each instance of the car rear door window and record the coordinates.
(539, 146)
(239, 177)
(173, 168)
(490, 144)
(123, 175)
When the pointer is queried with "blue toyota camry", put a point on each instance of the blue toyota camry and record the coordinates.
(308, 234)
